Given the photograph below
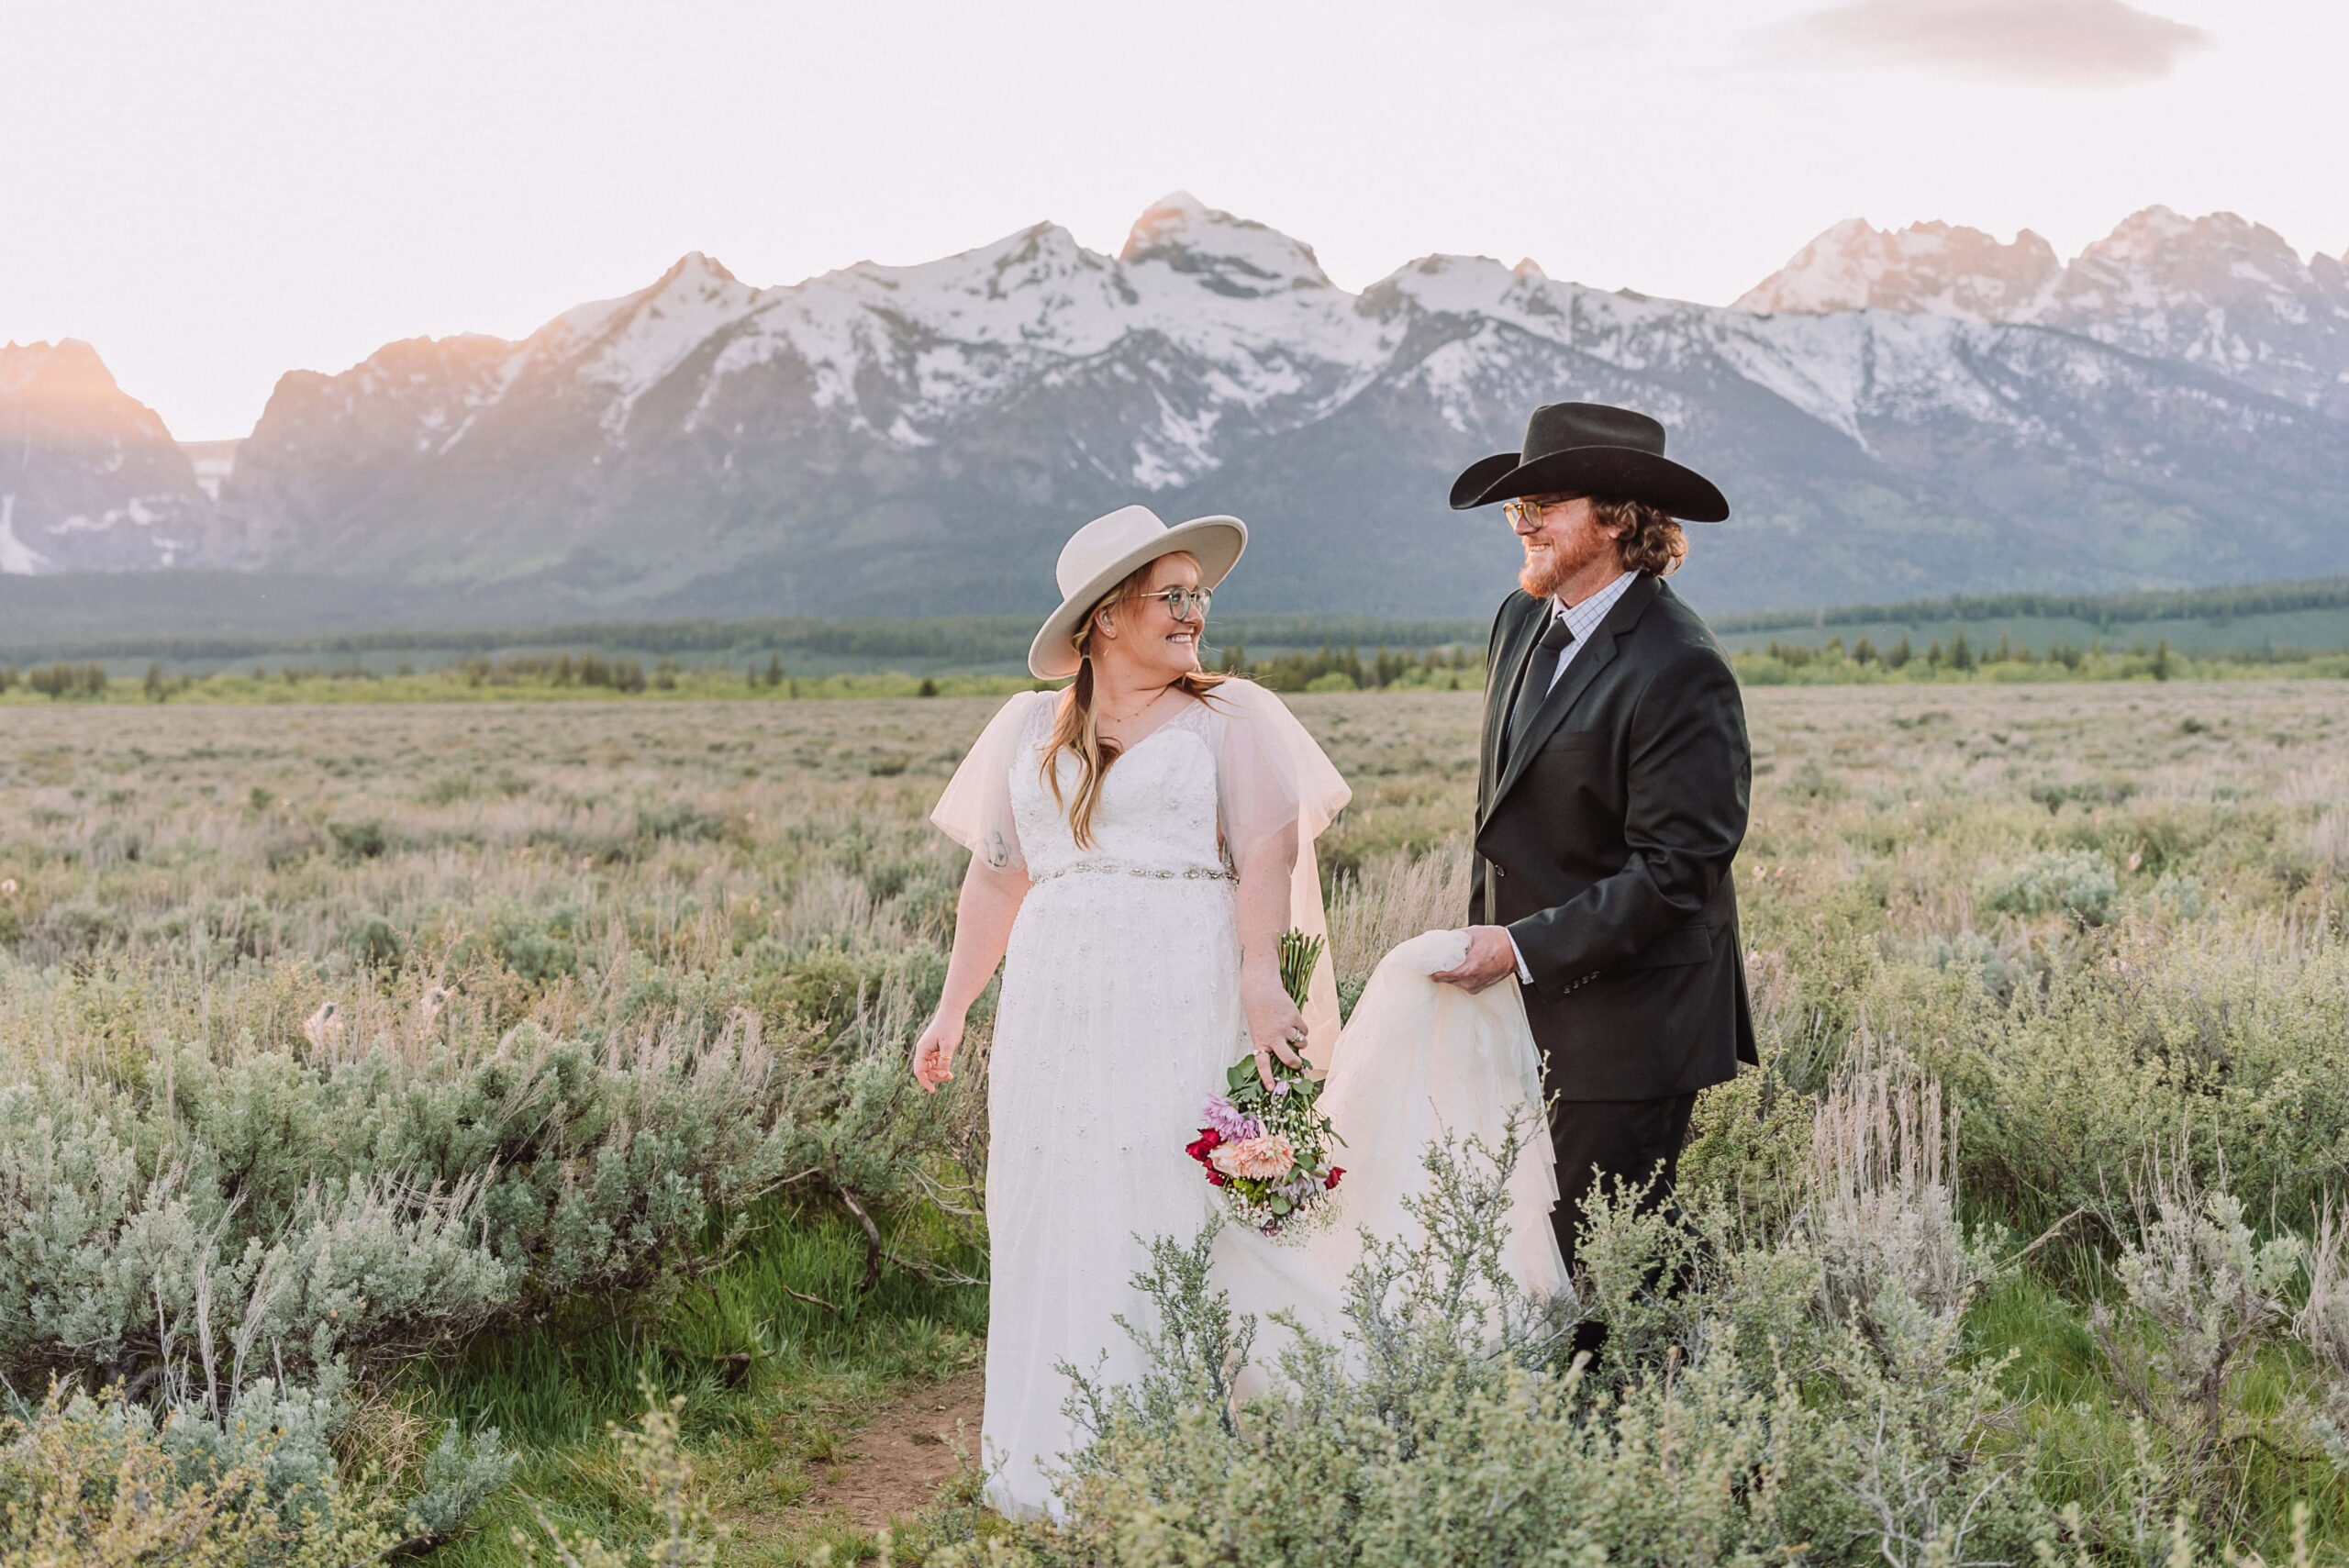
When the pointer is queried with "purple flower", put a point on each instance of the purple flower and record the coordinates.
(1225, 1117)
(1280, 1088)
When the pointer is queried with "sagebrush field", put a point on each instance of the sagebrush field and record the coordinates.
(398, 1095)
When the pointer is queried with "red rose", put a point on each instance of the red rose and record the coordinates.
(1216, 1178)
(1335, 1171)
(1205, 1144)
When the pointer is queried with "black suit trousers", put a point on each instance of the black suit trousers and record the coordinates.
(1616, 1140)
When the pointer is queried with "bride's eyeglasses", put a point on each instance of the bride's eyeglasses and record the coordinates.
(1181, 601)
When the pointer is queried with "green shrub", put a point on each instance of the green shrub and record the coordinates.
(304, 1211)
(359, 841)
(2077, 883)
(374, 942)
(538, 945)
(1738, 1419)
(2230, 1043)
(683, 823)
(90, 1482)
(1748, 1146)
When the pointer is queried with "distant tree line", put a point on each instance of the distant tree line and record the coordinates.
(56, 681)
(977, 641)
(968, 641)
(563, 670)
(1331, 669)
(1964, 656)
(2102, 609)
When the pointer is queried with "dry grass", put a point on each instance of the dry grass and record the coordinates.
(325, 883)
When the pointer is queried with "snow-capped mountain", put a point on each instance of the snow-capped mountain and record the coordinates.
(922, 438)
(2216, 292)
(89, 479)
(1934, 269)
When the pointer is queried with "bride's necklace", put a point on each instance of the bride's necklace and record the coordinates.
(1123, 721)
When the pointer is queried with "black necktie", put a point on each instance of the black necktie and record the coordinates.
(1539, 670)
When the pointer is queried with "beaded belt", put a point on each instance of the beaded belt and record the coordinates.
(1193, 873)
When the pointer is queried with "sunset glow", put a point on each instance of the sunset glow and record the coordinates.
(211, 196)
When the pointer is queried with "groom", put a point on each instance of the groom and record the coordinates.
(1610, 799)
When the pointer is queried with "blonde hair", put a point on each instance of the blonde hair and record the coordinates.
(1078, 729)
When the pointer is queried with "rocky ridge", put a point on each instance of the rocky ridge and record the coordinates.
(1921, 412)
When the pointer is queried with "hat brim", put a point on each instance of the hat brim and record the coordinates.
(1624, 472)
(1217, 541)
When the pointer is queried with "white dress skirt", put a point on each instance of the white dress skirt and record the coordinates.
(1119, 1015)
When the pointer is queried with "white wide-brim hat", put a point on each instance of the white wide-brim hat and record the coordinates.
(1097, 558)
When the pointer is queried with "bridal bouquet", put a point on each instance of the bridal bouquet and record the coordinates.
(1267, 1152)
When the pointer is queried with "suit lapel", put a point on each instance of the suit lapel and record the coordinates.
(1588, 664)
(1516, 652)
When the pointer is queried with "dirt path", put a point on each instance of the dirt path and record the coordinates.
(898, 1458)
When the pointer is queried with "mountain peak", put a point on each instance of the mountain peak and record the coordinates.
(1170, 216)
(2150, 226)
(90, 480)
(694, 267)
(67, 368)
(1529, 270)
(2219, 289)
(2156, 237)
(1230, 255)
(1930, 267)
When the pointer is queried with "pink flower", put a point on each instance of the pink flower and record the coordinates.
(1260, 1158)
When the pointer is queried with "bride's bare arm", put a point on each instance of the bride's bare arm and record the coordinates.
(983, 917)
(1276, 1026)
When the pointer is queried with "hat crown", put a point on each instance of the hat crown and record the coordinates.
(1563, 426)
(1101, 541)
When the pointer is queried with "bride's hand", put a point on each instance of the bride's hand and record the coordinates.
(1275, 1028)
(934, 1052)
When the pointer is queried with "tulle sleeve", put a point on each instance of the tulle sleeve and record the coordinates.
(1271, 779)
(976, 810)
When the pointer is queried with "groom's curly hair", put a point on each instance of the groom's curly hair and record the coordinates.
(1645, 537)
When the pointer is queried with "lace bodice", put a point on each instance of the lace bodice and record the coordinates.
(1226, 785)
(1157, 811)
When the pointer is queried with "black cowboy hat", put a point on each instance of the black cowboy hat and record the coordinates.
(1593, 450)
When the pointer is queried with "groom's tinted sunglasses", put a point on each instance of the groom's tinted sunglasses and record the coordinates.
(1525, 511)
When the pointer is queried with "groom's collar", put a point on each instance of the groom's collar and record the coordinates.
(1583, 618)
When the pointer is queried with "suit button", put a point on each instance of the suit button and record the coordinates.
(1500, 870)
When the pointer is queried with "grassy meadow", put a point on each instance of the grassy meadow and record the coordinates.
(403, 1094)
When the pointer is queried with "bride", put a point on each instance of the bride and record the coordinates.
(1139, 842)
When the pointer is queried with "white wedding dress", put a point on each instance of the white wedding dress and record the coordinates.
(1119, 1016)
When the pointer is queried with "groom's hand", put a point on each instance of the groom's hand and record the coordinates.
(1491, 956)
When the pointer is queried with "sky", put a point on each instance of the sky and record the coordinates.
(214, 192)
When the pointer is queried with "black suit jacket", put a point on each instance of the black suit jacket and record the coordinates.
(1604, 838)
